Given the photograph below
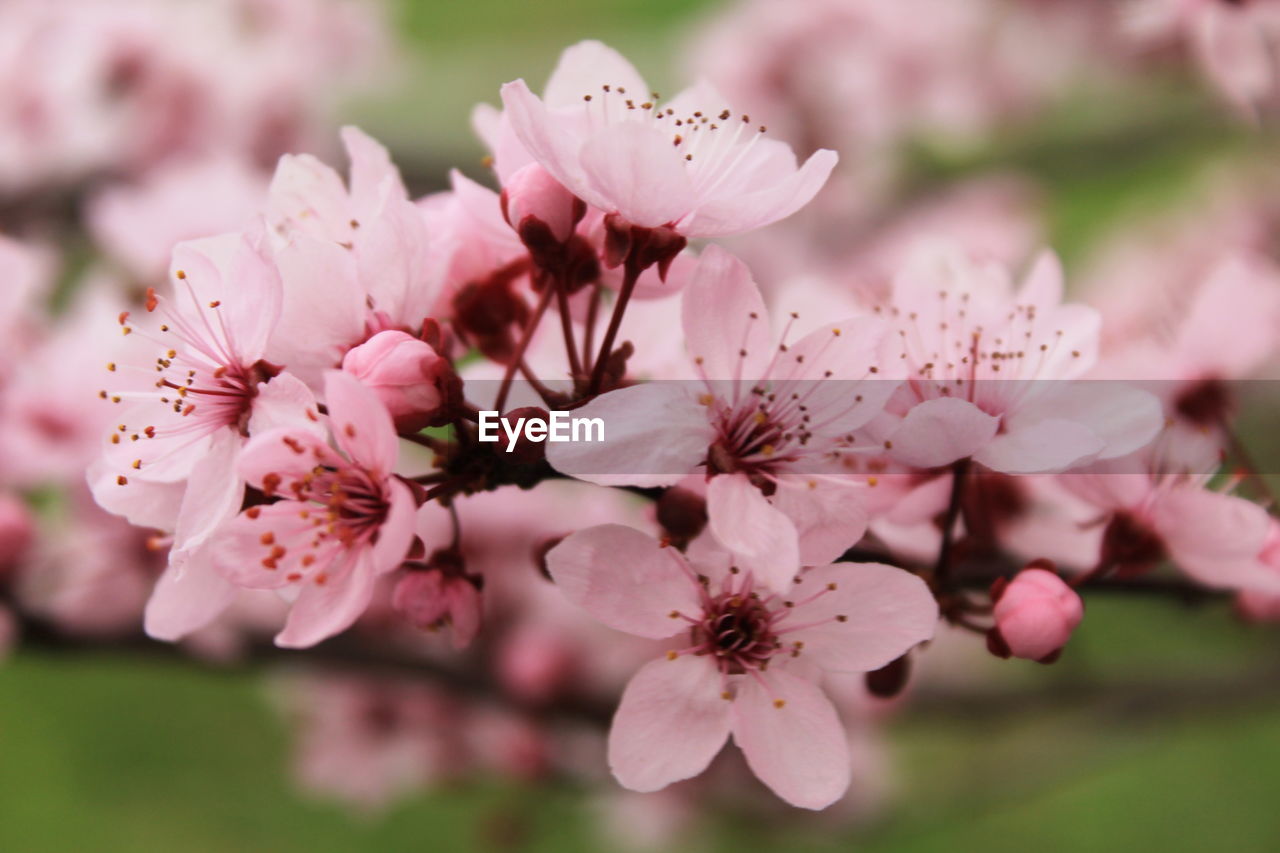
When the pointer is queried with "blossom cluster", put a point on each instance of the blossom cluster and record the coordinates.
(816, 462)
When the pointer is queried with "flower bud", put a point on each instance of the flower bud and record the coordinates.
(1035, 615)
(432, 599)
(682, 514)
(404, 372)
(540, 209)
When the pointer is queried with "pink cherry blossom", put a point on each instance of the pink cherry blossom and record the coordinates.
(761, 419)
(988, 372)
(343, 519)
(369, 741)
(1233, 42)
(354, 258)
(92, 88)
(693, 164)
(184, 412)
(1035, 615)
(1157, 505)
(748, 664)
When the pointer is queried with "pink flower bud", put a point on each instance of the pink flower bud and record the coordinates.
(17, 529)
(539, 208)
(404, 372)
(1035, 615)
(432, 600)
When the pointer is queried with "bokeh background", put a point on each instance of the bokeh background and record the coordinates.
(1160, 729)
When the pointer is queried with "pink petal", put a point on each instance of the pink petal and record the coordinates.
(670, 723)
(1046, 447)
(188, 596)
(323, 611)
(395, 534)
(237, 275)
(394, 265)
(1122, 417)
(654, 434)
(626, 580)
(290, 453)
(1042, 288)
(633, 169)
(214, 492)
(763, 540)
(544, 136)
(1232, 46)
(829, 517)
(141, 502)
(584, 68)
(832, 367)
(799, 748)
(360, 423)
(373, 176)
(1214, 538)
(1229, 330)
(724, 317)
(888, 612)
(240, 549)
(755, 210)
(939, 432)
(324, 307)
(305, 193)
(284, 402)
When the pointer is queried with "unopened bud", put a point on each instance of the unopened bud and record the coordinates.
(539, 208)
(431, 601)
(1035, 616)
(405, 373)
(682, 513)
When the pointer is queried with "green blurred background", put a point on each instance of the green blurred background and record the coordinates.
(1158, 730)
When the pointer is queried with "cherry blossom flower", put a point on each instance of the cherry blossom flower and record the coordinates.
(93, 88)
(987, 371)
(749, 664)
(761, 420)
(343, 519)
(692, 165)
(1233, 42)
(1156, 506)
(354, 259)
(169, 459)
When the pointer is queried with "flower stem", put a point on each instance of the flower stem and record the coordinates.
(630, 275)
(523, 345)
(959, 474)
